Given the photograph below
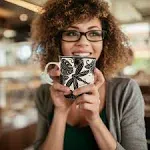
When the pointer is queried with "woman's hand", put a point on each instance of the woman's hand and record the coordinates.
(89, 102)
(58, 91)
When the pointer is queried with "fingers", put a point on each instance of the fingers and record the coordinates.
(88, 89)
(99, 78)
(92, 108)
(61, 88)
(85, 98)
(54, 73)
(85, 106)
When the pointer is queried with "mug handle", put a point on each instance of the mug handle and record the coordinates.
(45, 76)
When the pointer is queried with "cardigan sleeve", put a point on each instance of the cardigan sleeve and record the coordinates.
(44, 107)
(132, 120)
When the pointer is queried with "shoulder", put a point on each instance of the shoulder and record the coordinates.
(121, 84)
(124, 99)
(43, 88)
(121, 81)
(43, 99)
(42, 93)
(124, 91)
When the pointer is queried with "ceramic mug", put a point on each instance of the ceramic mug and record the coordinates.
(75, 71)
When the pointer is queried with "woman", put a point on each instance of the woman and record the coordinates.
(110, 115)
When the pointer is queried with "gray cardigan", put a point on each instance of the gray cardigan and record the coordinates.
(124, 111)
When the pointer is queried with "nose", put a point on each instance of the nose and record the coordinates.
(83, 41)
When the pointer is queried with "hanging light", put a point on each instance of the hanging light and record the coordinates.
(26, 5)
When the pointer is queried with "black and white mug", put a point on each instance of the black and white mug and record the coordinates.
(75, 71)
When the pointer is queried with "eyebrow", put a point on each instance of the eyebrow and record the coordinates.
(88, 28)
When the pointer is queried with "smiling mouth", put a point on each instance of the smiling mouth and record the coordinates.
(81, 54)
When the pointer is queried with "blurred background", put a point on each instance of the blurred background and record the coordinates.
(20, 74)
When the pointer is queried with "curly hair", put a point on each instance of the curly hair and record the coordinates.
(60, 14)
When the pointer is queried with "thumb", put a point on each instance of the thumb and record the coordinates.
(99, 78)
(54, 72)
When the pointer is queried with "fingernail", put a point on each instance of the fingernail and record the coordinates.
(67, 92)
(67, 89)
(77, 106)
(95, 69)
(74, 93)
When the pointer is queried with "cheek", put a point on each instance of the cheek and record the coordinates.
(65, 48)
(101, 47)
(98, 50)
(62, 48)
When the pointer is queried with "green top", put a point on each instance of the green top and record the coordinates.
(81, 138)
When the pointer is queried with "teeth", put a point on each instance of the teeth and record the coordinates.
(81, 54)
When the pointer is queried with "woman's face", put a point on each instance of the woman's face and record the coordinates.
(84, 47)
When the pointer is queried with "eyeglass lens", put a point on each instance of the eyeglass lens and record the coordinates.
(73, 35)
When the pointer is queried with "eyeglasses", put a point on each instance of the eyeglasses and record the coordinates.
(74, 36)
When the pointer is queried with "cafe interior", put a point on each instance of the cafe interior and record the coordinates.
(20, 73)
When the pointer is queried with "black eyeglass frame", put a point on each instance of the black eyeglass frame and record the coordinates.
(104, 32)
